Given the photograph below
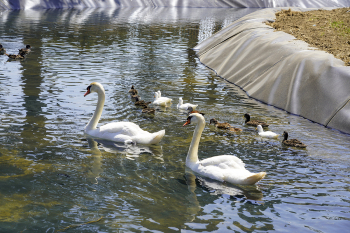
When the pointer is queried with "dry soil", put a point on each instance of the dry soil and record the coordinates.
(328, 30)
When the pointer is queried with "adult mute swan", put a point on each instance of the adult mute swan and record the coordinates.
(162, 101)
(227, 168)
(183, 106)
(126, 132)
(266, 134)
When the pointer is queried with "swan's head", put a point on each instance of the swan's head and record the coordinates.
(94, 87)
(247, 117)
(213, 121)
(194, 118)
(260, 129)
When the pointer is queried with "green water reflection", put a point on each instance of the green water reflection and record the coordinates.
(52, 176)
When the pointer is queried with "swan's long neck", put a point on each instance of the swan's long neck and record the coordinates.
(192, 155)
(98, 111)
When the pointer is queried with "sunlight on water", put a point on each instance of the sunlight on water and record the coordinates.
(53, 177)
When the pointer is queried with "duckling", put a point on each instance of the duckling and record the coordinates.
(148, 110)
(266, 134)
(139, 102)
(2, 49)
(25, 50)
(224, 125)
(133, 91)
(292, 142)
(15, 56)
(254, 122)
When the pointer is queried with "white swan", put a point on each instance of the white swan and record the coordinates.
(227, 168)
(126, 132)
(183, 106)
(266, 134)
(162, 101)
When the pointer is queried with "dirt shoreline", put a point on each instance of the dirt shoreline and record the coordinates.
(327, 30)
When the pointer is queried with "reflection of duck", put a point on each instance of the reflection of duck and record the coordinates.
(25, 50)
(227, 168)
(254, 122)
(183, 106)
(224, 125)
(133, 91)
(126, 132)
(162, 101)
(266, 134)
(15, 56)
(292, 142)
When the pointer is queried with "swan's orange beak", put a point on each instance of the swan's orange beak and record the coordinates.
(187, 122)
(87, 92)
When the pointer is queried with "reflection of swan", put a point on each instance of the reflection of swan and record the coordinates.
(266, 134)
(130, 151)
(162, 101)
(126, 132)
(96, 153)
(183, 106)
(224, 167)
(250, 192)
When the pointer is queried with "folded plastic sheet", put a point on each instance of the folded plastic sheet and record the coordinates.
(277, 69)
(30, 4)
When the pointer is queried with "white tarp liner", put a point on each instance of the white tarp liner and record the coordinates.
(277, 69)
(28, 4)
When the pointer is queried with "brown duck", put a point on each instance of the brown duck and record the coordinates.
(224, 125)
(254, 122)
(139, 102)
(2, 49)
(15, 56)
(292, 142)
(25, 50)
(133, 91)
(148, 110)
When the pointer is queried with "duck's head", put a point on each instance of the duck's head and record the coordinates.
(285, 135)
(213, 121)
(28, 46)
(94, 87)
(194, 118)
(247, 117)
(260, 129)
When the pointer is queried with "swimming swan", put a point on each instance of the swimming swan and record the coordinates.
(183, 106)
(227, 168)
(126, 132)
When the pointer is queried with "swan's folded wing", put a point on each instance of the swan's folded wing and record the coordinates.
(224, 160)
(124, 128)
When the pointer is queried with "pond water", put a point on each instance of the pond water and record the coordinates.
(54, 178)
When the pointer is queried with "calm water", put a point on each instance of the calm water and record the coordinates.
(52, 177)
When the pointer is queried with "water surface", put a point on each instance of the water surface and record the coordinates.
(52, 176)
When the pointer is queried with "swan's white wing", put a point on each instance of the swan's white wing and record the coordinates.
(224, 161)
(124, 128)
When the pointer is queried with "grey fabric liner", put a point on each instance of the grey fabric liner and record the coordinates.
(46, 4)
(277, 69)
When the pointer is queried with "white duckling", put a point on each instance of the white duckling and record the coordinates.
(227, 168)
(183, 106)
(127, 132)
(266, 134)
(162, 101)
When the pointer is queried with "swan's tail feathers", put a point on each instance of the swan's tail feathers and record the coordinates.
(255, 178)
(158, 136)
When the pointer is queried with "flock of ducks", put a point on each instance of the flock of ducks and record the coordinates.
(21, 53)
(224, 168)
